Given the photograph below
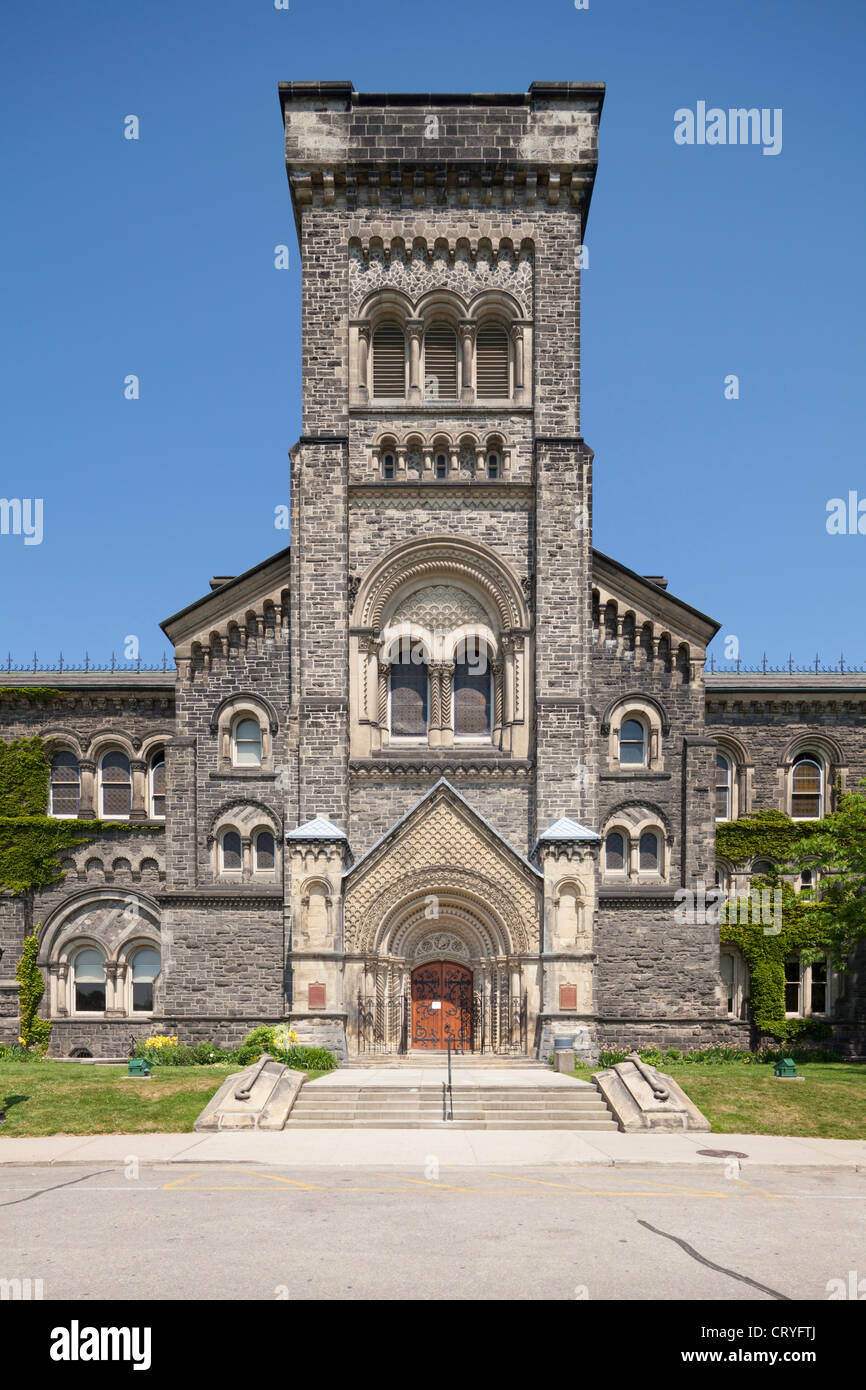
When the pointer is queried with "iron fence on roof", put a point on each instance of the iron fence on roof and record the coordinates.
(113, 667)
(764, 668)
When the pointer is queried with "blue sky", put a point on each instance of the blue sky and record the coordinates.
(155, 258)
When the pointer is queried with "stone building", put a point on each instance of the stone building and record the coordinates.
(436, 771)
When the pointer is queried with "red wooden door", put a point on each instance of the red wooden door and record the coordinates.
(448, 986)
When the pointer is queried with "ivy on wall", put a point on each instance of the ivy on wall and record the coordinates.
(775, 837)
(31, 841)
(33, 693)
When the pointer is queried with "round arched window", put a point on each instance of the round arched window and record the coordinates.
(247, 743)
(145, 968)
(89, 981)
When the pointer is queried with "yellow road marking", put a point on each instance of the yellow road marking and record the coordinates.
(180, 1181)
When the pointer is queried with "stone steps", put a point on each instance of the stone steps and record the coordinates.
(474, 1107)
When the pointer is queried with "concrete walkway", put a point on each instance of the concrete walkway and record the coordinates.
(336, 1148)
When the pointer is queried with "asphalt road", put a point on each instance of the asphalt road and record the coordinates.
(244, 1232)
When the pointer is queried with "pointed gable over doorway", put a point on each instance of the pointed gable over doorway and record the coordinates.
(442, 849)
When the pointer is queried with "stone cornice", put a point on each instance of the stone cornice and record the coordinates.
(492, 769)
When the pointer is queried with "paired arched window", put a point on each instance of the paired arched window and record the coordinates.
(264, 853)
(389, 361)
(472, 697)
(632, 743)
(491, 361)
(649, 855)
(724, 787)
(614, 853)
(156, 786)
(247, 742)
(65, 785)
(409, 699)
(88, 981)
(807, 789)
(115, 786)
(145, 968)
(231, 852)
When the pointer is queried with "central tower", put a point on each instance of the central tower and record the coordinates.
(441, 544)
(441, 490)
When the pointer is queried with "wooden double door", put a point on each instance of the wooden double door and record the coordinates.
(441, 1005)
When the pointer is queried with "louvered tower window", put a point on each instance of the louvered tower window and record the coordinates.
(491, 361)
(440, 363)
(389, 361)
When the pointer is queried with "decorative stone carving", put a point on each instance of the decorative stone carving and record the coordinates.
(442, 606)
(441, 944)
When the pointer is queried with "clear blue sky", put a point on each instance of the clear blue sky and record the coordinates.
(155, 258)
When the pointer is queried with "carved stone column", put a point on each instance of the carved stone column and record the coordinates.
(138, 809)
(384, 671)
(58, 972)
(447, 691)
(87, 803)
(363, 356)
(434, 671)
(414, 332)
(517, 340)
(467, 328)
(497, 669)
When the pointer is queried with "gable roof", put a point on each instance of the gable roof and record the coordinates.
(223, 602)
(566, 829)
(643, 593)
(443, 785)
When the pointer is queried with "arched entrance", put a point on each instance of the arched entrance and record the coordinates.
(441, 1006)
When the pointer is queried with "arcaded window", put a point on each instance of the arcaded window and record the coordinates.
(440, 363)
(649, 852)
(409, 699)
(231, 860)
(88, 973)
(157, 786)
(264, 852)
(65, 786)
(115, 786)
(441, 465)
(491, 362)
(472, 697)
(389, 361)
(145, 968)
(494, 464)
(807, 790)
(247, 743)
(614, 853)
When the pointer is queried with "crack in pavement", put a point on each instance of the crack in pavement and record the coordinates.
(720, 1269)
(42, 1190)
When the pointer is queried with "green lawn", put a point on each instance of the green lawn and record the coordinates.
(65, 1098)
(745, 1098)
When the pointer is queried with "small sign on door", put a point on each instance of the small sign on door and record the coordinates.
(435, 1003)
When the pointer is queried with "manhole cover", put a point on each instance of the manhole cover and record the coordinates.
(721, 1153)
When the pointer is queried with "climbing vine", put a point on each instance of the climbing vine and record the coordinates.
(777, 838)
(35, 1031)
(31, 842)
